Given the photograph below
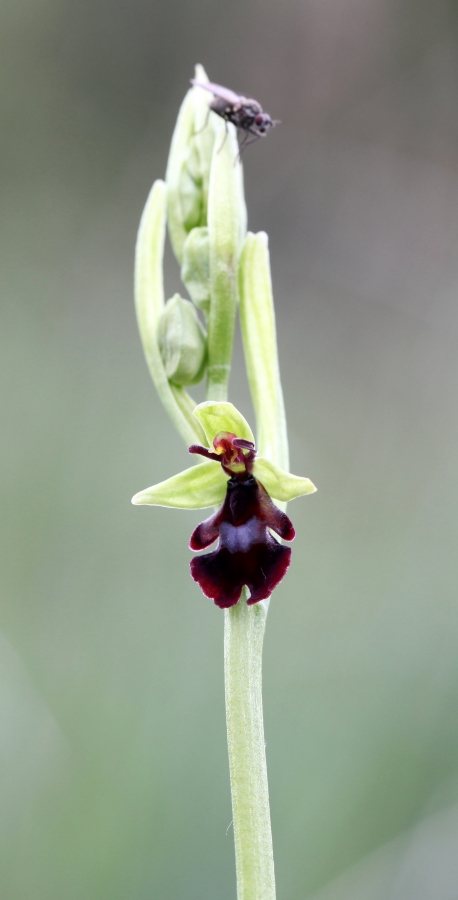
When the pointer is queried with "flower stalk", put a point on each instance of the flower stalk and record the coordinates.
(244, 628)
(203, 203)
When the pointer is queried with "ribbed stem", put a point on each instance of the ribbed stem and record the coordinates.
(243, 638)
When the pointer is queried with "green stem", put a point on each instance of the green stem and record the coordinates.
(243, 637)
(244, 628)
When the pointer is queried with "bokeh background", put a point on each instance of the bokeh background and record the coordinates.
(113, 762)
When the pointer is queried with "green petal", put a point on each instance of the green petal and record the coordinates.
(216, 416)
(196, 488)
(279, 484)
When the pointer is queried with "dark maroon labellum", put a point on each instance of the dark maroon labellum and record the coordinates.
(247, 554)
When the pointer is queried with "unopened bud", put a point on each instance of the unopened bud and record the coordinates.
(195, 271)
(182, 342)
(191, 199)
(188, 167)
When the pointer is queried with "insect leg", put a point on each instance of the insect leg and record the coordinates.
(242, 147)
(225, 136)
(246, 142)
(205, 123)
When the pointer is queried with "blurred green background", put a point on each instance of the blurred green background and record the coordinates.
(114, 780)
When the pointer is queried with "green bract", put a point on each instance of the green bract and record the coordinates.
(205, 485)
(257, 323)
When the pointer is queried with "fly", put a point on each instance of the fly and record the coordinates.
(247, 115)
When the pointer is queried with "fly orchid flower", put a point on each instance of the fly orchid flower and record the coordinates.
(247, 553)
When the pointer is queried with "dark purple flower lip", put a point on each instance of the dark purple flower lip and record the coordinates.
(247, 554)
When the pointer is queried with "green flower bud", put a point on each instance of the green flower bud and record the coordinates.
(195, 271)
(188, 167)
(193, 213)
(182, 342)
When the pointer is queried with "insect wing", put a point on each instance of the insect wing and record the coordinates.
(218, 91)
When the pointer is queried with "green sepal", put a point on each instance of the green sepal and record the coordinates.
(281, 485)
(195, 488)
(216, 416)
